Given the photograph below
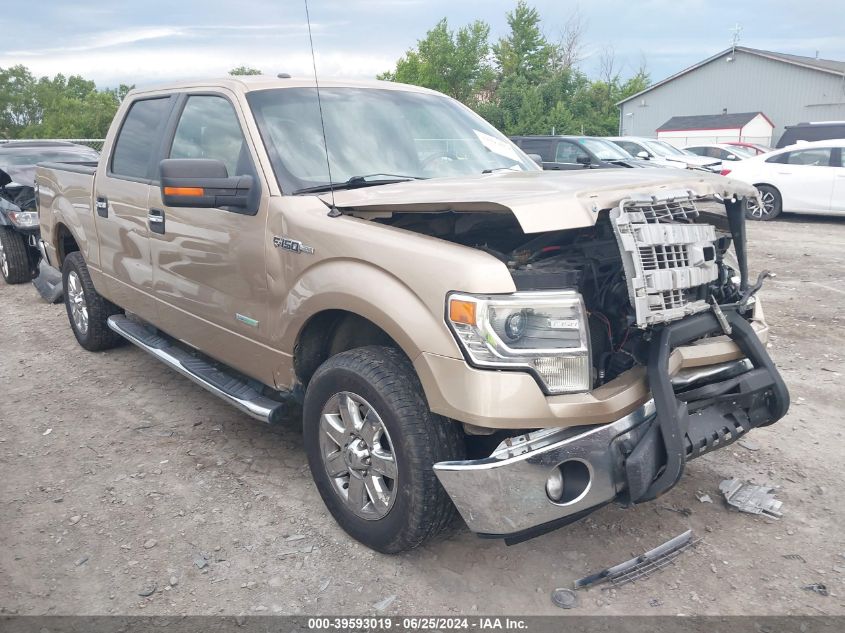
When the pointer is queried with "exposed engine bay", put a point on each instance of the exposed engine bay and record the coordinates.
(20, 195)
(641, 264)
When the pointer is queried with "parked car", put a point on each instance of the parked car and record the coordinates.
(756, 148)
(721, 151)
(813, 131)
(461, 328)
(803, 178)
(18, 215)
(662, 153)
(577, 152)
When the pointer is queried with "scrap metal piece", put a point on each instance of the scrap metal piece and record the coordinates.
(642, 566)
(818, 588)
(564, 598)
(751, 498)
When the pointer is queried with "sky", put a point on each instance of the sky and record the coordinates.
(148, 42)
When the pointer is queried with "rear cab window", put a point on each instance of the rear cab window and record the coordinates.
(138, 141)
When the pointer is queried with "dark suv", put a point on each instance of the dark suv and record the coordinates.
(821, 131)
(577, 152)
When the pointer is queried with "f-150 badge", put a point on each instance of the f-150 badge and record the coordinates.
(294, 246)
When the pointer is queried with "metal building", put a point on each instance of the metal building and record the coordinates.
(788, 89)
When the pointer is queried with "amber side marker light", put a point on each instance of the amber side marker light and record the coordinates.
(184, 191)
(462, 311)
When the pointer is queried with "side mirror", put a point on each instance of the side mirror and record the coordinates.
(643, 154)
(204, 183)
(583, 160)
(536, 158)
(731, 157)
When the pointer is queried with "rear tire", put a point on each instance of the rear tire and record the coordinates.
(371, 441)
(87, 311)
(771, 207)
(14, 260)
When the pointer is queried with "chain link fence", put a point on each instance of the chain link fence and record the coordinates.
(94, 143)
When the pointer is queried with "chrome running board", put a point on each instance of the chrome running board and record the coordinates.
(214, 377)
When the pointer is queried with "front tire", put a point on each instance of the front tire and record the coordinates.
(87, 311)
(14, 260)
(771, 207)
(371, 443)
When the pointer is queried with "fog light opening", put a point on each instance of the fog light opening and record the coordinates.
(568, 482)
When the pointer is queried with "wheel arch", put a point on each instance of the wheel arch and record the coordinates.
(64, 242)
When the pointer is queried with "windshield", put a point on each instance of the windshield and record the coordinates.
(381, 133)
(663, 149)
(741, 151)
(605, 150)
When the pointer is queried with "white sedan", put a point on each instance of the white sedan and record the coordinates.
(802, 178)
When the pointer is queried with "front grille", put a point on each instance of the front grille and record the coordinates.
(665, 254)
(668, 210)
(663, 257)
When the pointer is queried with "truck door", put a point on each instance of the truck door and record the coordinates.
(209, 270)
(121, 191)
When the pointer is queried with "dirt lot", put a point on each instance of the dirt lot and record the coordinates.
(122, 478)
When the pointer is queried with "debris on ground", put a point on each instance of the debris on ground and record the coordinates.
(75, 519)
(704, 498)
(381, 605)
(682, 511)
(818, 588)
(148, 590)
(749, 445)
(564, 598)
(150, 543)
(794, 557)
(642, 566)
(201, 562)
(655, 602)
(751, 498)
(82, 560)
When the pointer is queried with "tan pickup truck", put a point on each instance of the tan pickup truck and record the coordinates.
(456, 327)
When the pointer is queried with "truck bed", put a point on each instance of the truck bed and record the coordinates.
(65, 198)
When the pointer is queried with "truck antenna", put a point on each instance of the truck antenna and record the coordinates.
(333, 212)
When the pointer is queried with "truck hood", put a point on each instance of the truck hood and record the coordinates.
(540, 200)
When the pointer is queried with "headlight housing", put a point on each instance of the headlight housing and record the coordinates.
(24, 219)
(545, 333)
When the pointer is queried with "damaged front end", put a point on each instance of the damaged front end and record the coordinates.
(655, 277)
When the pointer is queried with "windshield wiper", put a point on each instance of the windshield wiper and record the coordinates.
(360, 181)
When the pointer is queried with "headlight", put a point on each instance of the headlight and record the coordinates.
(24, 219)
(544, 333)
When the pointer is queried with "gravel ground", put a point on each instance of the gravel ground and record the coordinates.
(128, 490)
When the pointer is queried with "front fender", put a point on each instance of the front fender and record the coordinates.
(368, 291)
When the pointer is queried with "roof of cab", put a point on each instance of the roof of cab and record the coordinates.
(250, 83)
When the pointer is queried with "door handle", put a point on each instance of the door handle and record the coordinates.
(102, 206)
(155, 218)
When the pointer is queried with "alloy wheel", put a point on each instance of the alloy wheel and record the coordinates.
(767, 198)
(4, 261)
(76, 301)
(358, 455)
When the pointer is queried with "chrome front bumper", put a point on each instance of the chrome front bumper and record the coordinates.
(505, 494)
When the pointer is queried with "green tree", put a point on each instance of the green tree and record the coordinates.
(454, 63)
(525, 52)
(18, 106)
(244, 70)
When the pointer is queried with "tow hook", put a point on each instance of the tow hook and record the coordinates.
(754, 289)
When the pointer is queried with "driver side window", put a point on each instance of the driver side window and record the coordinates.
(569, 153)
(209, 128)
